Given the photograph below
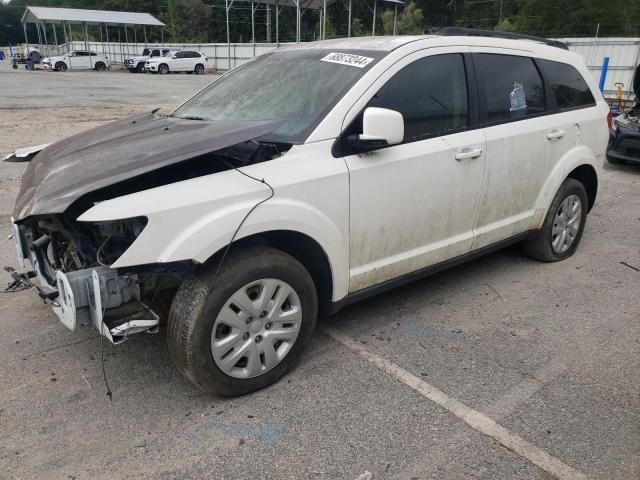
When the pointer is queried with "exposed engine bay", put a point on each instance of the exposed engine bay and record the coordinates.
(71, 259)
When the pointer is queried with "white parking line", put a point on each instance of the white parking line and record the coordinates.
(473, 418)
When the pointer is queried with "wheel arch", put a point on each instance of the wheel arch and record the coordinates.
(588, 177)
(580, 164)
(300, 246)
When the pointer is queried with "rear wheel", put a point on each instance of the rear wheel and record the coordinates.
(163, 69)
(244, 329)
(563, 226)
(199, 69)
(61, 67)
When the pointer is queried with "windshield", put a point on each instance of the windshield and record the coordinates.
(298, 86)
(170, 53)
(145, 52)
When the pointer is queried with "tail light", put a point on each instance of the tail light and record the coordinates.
(609, 119)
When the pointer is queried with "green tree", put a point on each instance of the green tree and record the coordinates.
(409, 22)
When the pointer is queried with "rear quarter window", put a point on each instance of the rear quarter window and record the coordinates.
(570, 90)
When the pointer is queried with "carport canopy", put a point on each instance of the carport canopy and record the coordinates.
(89, 17)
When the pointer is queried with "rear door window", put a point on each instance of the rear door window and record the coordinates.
(569, 88)
(511, 86)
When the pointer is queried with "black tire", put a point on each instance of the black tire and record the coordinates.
(200, 299)
(100, 67)
(60, 67)
(133, 70)
(540, 246)
(163, 69)
(140, 67)
(199, 69)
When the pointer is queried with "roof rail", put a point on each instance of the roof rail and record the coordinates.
(475, 32)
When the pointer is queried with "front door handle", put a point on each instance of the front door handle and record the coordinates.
(555, 134)
(468, 153)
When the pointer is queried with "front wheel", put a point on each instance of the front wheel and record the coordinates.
(61, 67)
(163, 69)
(563, 226)
(244, 329)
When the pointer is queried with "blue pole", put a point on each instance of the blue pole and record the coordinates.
(10, 51)
(603, 73)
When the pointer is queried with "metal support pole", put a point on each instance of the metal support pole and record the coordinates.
(39, 36)
(70, 45)
(121, 49)
(253, 30)
(227, 7)
(162, 36)
(349, 26)
(55, 38)
(126, 39)
(86, 44)
(324, 20)
(373, 29)
(144, 30)
(106, 31)
(268, 23)
(298, 29)
(395, 18)
(46, 42)
(26, 37)
(102, 42)
(277, 15)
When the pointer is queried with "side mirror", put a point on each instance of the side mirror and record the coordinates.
(174, 57)
(381, 127)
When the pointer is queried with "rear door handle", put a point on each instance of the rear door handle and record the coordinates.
(468, 153)
(555, 134)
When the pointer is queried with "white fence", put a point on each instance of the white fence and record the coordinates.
(221, 57)
(624, 58)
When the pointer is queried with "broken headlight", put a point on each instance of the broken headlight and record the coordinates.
(115, 237)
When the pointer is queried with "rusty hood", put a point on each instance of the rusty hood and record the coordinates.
(65, 171)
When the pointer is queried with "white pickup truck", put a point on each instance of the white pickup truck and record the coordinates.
(136, 64)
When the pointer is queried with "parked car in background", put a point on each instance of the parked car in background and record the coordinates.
(180, 61)
(77, 60)
(136, 64)
(624, 144)
(304, 180)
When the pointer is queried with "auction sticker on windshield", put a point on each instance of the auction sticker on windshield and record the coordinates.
(347, 59)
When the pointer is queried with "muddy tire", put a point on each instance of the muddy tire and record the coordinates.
(562, 229)
(244, 329)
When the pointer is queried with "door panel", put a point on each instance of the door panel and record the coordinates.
(513, 106)
(413, 205)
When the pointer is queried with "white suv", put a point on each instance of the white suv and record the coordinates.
(77, 60)
(181, 61)
(304, 180)
(136, 64)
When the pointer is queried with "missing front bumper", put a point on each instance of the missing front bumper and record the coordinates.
(111, 302)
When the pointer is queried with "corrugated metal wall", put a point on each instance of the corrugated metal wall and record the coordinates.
(624, 57)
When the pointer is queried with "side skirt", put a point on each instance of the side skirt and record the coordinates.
(387, 285)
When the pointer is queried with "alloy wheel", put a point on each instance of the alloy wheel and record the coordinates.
(566, 224)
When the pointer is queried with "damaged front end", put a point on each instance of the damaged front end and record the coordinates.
(71, 267)
(71, 259)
